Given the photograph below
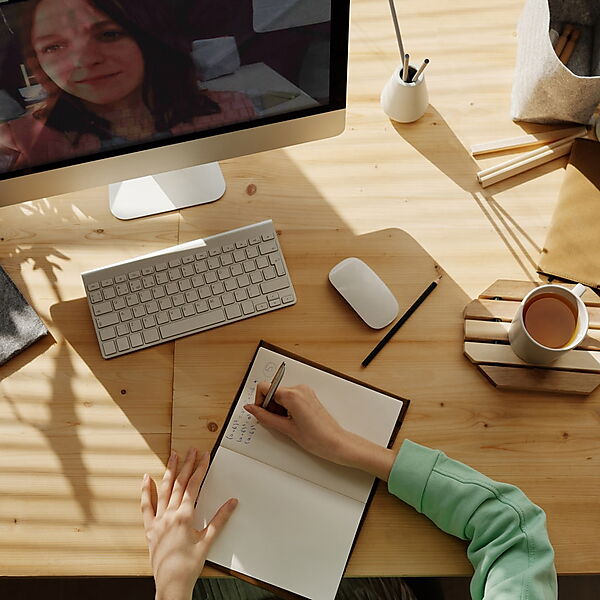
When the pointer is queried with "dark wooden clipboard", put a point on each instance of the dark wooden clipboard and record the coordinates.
(280, 592)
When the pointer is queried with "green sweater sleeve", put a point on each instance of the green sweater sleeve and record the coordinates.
(508, 542)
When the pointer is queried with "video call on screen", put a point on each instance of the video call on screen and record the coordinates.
(82, 77)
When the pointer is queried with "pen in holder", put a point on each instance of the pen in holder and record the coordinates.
(405, 101)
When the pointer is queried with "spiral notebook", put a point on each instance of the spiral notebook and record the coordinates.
(298, 515)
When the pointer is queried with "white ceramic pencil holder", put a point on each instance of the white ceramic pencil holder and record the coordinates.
(405, 101)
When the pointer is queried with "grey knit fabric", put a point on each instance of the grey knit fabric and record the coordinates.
(545, 90)
(19, 324)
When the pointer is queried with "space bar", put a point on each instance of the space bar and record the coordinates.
(192, 323)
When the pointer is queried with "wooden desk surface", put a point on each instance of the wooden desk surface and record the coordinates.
(77, 432)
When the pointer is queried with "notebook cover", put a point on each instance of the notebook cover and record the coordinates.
(572, 245)
(282, 593)
(19, 324)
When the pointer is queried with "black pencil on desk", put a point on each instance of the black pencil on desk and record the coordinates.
(388, 336)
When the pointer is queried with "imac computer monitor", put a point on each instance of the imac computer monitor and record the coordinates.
(146, 95)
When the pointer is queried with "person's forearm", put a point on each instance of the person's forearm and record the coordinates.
(359, 453)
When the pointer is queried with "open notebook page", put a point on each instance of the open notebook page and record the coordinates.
(369, 413)
(285, 531)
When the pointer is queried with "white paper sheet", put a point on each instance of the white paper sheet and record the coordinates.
(285, 531)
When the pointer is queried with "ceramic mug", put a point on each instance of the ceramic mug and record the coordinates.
(529, 349)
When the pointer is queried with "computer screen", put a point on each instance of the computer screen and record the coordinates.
(83, 81)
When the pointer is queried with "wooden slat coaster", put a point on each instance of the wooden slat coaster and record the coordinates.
(487, 321)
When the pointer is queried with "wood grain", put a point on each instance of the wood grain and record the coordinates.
(73, 448)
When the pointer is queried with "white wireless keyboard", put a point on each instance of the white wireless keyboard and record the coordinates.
(188, 288)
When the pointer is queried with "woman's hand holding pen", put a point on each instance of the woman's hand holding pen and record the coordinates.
(310, 425)
(177, 550)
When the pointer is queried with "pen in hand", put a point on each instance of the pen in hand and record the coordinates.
(274, 407)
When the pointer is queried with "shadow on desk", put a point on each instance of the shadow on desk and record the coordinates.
(457, 163)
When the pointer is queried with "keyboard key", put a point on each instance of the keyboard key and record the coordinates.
(233, 311)
(261, 306)
(239, 256)
(226, 259)
(191, 296)
(175, 313)
(248, 307)
(109, 293)
(152, 307)
(267, 247)
(230, 284)
(262, 262)
(108, 333)
(185, 285)
(269, 273)
(175, 262)
(93, 286)
(174, 274)
(161, 266)
(249, 266)
(122, 344)
(240, 295)
(119, 303)
(236, 270)
(135, 340)
(256, 277)
(268, 236)
(147, 270)
(162, 278)
(134, 274)
(213, 263)
(287, 299)
(102, 308)
(227, 298)
(217, 288)
(178, 300)
(210, 277)
(228, 248)
(272, 296)
(201, 306)
(151, 335)
(197, 280)
(145, 296)
(96, 297)
(122, 329)
(139, 311)
(149, 321)
(109, 347)
(136, 326)
(187, 270)
(214, 302)
(202, 254)
(165, 303)
(193, 323)
(106, 320)
(158, 292)
(149, 281)
(274, 285)
(243, 280)
(135, 285)
(253, 291)
(280, 269)
(204, 292)
(200, 266)
(252, 252)
(223, 273)
(241, 243)
(189, 310)
(254, 240)
(186, 260)
(214, 252)
(107, 282)
(120, 278)
(132, 300)
(275, 302)
(162, 318)
(172, 288)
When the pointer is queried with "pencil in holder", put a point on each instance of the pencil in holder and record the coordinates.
(405, 101)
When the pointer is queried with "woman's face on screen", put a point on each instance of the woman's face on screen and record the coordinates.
(85, 53)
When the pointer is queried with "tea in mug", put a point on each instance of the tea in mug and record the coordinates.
(550, 319)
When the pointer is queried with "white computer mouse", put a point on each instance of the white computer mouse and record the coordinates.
(364, 291)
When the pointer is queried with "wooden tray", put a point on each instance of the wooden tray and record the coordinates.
(487, 320)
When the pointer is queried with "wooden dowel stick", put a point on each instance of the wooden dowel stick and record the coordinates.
(566, 53)
(525, 156)
(563, 39)
(526, 165)
(532, 139)
(397, 28)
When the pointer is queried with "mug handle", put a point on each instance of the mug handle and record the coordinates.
(579, 289)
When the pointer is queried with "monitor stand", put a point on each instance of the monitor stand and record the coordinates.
(168, 191)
